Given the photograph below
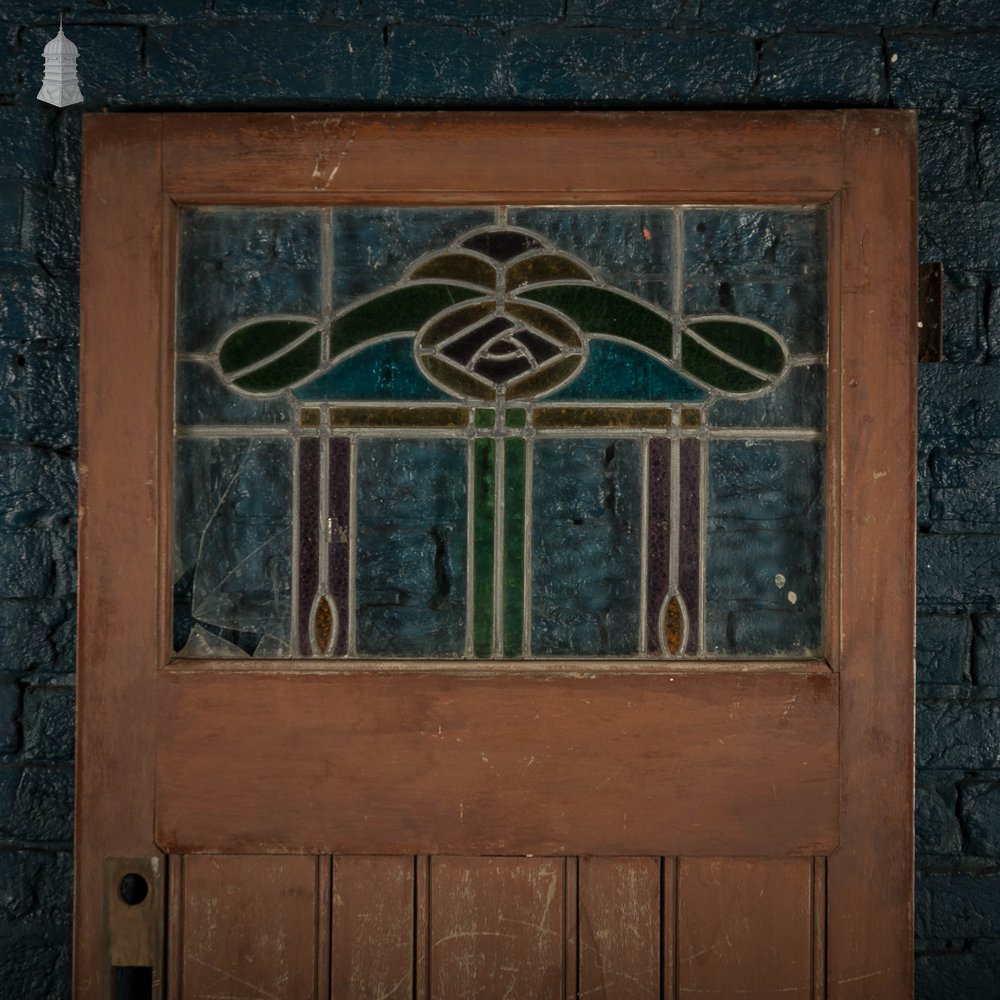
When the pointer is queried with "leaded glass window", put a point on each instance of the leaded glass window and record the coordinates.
(500, 432)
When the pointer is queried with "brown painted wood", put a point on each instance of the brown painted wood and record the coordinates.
(496, 927)
(118, 572)
(744, 928)
(373, 927)
(250, 927)
(698, 764)
(702, 761)
(449, 156)
(619, 926)
(869, 880)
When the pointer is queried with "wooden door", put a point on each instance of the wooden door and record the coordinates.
(497, 555)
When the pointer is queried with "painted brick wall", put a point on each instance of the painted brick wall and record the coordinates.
(939, 56)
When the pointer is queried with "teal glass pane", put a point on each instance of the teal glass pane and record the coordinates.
(630, 248)
(616, 372)
(386, 370)
(764, 264)
(237, 263)
(764, 558)
(411, 547)
(373, 247)
(232, 547)
(586, 540)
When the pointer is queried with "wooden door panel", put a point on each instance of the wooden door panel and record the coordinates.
(745, 927)
(373, 935)
(621, 940)
(742, 763)
(250, 926)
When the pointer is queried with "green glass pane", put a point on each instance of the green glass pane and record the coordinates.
(291, 367)
(397, 311)
(455, 321)
(517, 418)
(546, 322)
(712, 370)
(749, 344)
(486, 418)
(601, 310)
(482, 587)
(513, 546)
(459, 267)
(545, 267)
(257, 341)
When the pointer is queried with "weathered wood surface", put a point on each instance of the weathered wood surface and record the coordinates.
(690, 764)
(597, 784)
(448, 157)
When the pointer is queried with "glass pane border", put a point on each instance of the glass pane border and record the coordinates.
(825, 656)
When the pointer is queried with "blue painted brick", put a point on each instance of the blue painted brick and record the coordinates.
(35, 305)
(980, 810)
(614, 13)
(36, 563)
(964, 325)
(943, 644)
(988, 159)
(38, 394)
(113, 11)
(11, 195)
(961, 976)
(769, 17)
(505, 13)
(966, 13)
(945, 72)
(8, 61)
(958, 408)
(986, 650)
(35, 967)
(26, 146)
(286, 10)
(964, 492)
(962, 234)
(36, 637)
(255, 64)
(10, 716)
(959, 734)
(36, 804)
(445, 63)
(937, 827)
(49, 723)
(35, 887)
(958, 572)
(946, 156)
(957, 905)
(37, 488)
(842, 69)
(686, 68)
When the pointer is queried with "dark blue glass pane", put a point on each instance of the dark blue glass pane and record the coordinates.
(626, 247)
(372, 247)
(203, 398)
(386, 370)
(232, 547)
(618, 372)
(764, 569)
(798, 400)
(411, 580)
(763, 264)
(236, 263)
(585, 563)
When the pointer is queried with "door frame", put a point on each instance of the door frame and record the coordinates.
(139, 167)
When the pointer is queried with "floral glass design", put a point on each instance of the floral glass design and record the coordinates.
(515, 433)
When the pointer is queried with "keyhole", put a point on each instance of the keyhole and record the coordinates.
(133, 888)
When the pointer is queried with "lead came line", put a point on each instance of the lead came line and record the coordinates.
(470, 542)
(702, 544)
(499, 482)
(644, 567)
(529, 476)
(352, 549)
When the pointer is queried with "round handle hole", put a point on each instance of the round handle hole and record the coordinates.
(133, 888)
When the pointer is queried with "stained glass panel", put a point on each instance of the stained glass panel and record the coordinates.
(510, 432)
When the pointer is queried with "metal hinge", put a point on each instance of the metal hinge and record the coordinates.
(930, 313)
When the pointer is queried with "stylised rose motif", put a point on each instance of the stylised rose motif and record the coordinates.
(502, 313)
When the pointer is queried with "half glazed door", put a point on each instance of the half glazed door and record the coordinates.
(496, 556)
